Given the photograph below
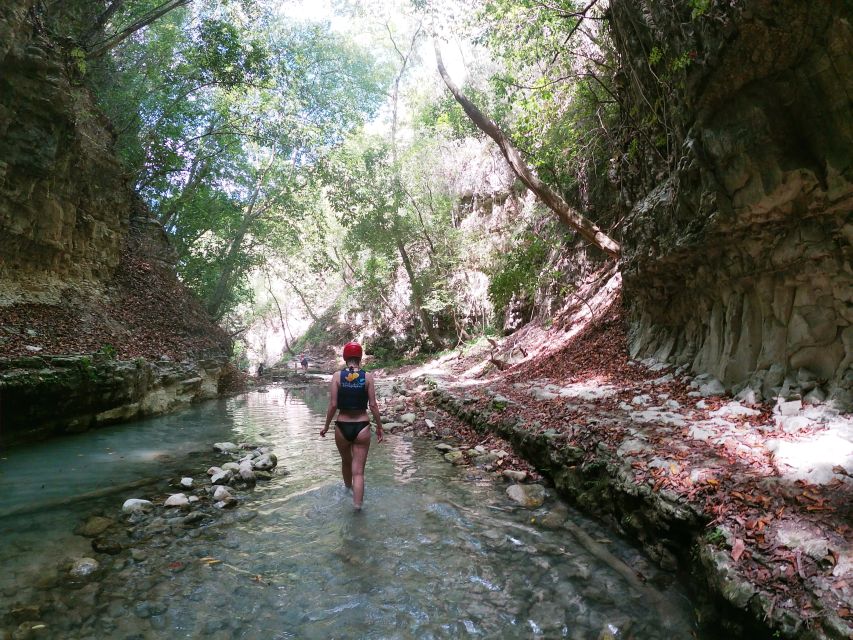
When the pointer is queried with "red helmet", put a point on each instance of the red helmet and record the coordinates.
(352, 350)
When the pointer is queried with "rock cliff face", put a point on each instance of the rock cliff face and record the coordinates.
(64, 201)
(82, 268)
(737, 260)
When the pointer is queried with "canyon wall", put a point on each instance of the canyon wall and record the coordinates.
(64, 201)
(737, 260)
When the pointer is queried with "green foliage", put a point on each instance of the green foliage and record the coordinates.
(517, 272)
(223, 114)
(78, 57)
(715, 537)
(108, 351)
(655, 55)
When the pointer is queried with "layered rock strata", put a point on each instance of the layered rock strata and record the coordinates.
(737, 259)
(42, 396)
(64, 200)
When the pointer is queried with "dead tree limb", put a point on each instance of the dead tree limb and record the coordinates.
(580, 223)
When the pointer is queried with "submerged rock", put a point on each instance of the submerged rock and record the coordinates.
(266, 462)
(527, 495)
(455, 457)
(225, 447)
(94, 526)
(137, 505)
(84, 567)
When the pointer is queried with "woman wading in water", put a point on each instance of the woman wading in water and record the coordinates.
(350, 393)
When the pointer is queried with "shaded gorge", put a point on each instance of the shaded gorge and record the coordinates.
(439, 551)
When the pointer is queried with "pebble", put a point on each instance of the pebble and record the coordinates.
(84, 567)
(176, 500)
(136, 505)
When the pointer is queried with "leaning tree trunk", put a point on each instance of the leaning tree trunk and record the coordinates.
(551, 198)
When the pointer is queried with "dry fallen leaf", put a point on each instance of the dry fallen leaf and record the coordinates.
(737, 549)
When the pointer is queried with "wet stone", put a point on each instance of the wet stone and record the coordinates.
(109, 546)
(95, 526)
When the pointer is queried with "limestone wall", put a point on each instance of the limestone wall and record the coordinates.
(738, 262)
(40, 397)
(64, 201)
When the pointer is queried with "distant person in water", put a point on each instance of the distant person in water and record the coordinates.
(352, 390)
(303, 360)
(260, 369)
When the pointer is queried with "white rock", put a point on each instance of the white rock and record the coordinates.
(225, 447)
(641, 399)
(791, 408)
(266, 462)
(444, 447)
(512, 474)
(136, 505)
(632, 445)
(84, 567)
(747, 395)
(187, 483)
(193, 498)
(221, 493)
(527, 495)
(542, 394)
(735, 409)
(214, 470)
(408, 418)
(230, 466)
(429, 423)
(701, 405)
(673, 404)
(792, 424)
(815, 396)
(176, 500)
(712, 388)
(223, 477)
(247, 473)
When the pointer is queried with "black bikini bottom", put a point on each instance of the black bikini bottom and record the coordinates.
(350, 430)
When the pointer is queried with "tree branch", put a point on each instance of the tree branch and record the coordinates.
(583, 225)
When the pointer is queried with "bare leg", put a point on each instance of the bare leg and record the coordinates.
(345, 449)
(359, 459)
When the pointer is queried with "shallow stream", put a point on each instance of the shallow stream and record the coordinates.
(438, 552)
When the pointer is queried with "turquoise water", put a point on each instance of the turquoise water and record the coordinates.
(438, 552)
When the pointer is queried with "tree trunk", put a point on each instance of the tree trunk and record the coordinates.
(311, 313)
(117, 38)
(551, 198)
(217, 299)
(417, 296)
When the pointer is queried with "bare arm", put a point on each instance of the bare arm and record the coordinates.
(374, 407)
(333, 403)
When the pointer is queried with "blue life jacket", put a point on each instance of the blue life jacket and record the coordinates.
(352, 392)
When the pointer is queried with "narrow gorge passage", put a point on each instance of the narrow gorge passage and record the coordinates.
(439, 551)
